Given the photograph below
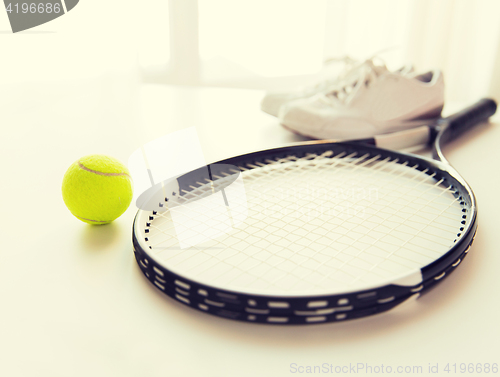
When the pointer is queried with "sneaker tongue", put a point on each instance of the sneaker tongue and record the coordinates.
(379, 69)
(344, 88)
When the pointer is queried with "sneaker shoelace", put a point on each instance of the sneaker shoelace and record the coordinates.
(363, 74)
(348, 62)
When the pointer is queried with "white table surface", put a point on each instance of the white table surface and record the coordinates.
(74, 303)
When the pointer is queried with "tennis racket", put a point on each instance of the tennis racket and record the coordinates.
(311, 233)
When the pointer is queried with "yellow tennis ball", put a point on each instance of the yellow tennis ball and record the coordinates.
(97, 189)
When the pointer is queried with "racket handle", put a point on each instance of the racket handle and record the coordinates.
(465, 119)
(458, 123)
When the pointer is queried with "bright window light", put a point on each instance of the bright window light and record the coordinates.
(267, 38)
(154, 35)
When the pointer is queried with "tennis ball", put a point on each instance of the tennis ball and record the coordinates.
(97, 189)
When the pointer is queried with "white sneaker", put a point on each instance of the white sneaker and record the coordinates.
(272, 101)
(371, 101)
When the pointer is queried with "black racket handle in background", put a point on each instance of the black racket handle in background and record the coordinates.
(455, 125)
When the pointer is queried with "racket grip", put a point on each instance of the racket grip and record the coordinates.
(469, 117)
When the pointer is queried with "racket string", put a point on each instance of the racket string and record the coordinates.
(357, 239)
(300, 168)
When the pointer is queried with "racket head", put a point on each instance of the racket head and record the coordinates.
(360, 297)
